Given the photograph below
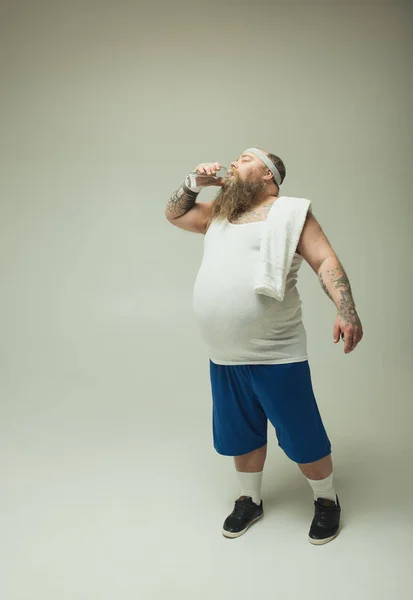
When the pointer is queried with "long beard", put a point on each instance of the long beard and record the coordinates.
(235, 198)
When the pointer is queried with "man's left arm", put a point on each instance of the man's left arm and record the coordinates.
(315, 248)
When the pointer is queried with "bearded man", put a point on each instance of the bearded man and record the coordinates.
(259, 368)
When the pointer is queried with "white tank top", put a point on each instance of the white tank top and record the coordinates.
(238, 325)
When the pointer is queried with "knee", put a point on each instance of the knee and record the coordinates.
(252, 461)
(320, 469)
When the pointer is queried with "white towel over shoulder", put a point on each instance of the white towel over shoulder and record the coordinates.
(281, 234)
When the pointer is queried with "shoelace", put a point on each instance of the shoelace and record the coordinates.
(239, 509)
(322, 517)
(323, 512)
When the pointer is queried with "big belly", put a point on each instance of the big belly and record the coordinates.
(229, 312)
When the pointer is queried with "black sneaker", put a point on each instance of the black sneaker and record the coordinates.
(245, 512)
(324, 527)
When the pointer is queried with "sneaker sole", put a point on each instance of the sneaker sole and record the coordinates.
(324, 541)
(234, 534)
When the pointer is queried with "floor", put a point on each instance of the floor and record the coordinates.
(117, 502)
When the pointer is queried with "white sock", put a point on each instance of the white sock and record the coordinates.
(323, 488)
(251, 484)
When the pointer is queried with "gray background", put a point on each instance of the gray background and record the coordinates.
(110, 484)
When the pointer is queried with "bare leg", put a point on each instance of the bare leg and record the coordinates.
(252, 462)
(320, 469)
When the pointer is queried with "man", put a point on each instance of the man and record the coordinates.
(257, 345)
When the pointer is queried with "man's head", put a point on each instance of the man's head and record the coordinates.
(252, 184)
(250, 166)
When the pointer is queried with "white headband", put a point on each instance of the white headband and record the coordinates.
(268, 163)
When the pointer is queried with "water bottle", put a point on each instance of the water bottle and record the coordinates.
(195, 180)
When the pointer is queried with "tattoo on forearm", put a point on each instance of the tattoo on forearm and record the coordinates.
(181, 201)
(323, 285)
(346, 305)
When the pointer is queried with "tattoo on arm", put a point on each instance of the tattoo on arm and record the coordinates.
(181, 201)
(346, 305)
(323, 285)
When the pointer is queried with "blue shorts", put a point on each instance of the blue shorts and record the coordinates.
(246, 397)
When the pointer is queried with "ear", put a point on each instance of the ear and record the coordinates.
(268, 176)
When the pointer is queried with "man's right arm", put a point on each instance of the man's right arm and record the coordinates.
(181, 201)
(184, 211)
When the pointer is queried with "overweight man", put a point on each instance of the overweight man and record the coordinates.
(259, 368)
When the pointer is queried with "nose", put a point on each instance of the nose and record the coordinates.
(234, 164)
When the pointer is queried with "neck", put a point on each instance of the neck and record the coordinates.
(265, 198)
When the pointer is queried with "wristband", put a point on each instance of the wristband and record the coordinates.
(191, 183)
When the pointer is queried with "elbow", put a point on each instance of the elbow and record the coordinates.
(328, 259)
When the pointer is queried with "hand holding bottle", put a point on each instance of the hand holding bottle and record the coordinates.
(205, 175)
